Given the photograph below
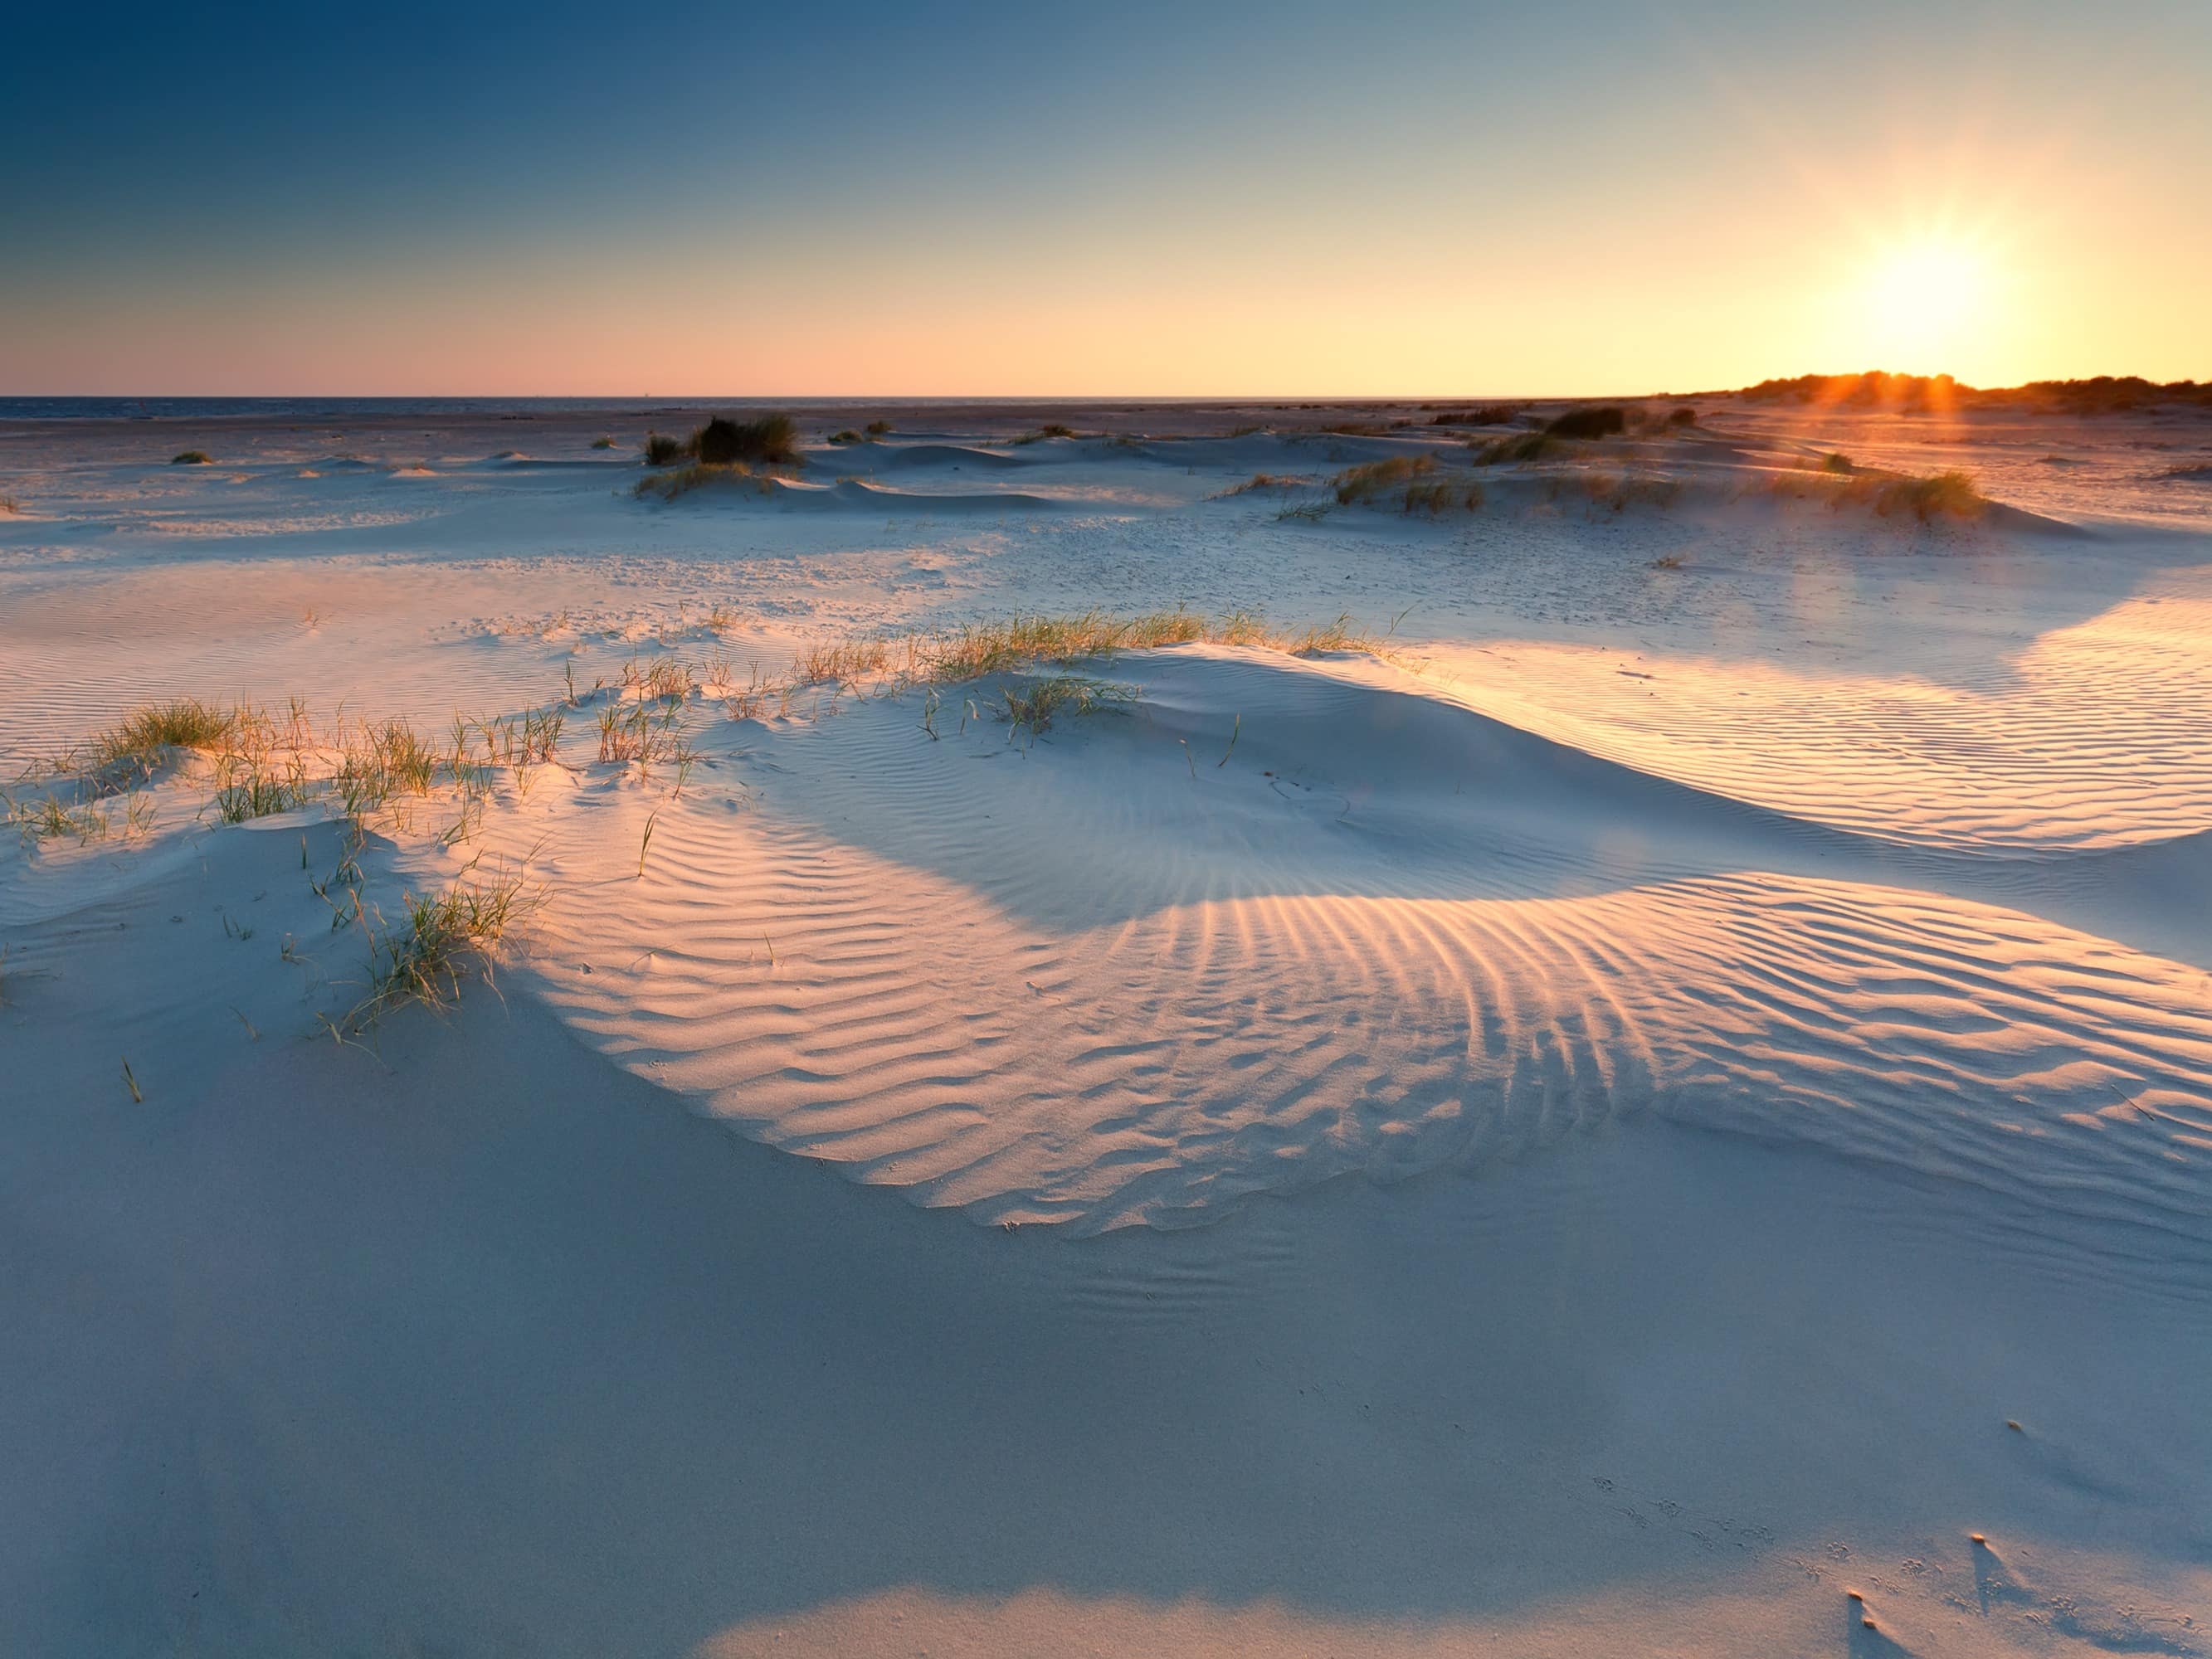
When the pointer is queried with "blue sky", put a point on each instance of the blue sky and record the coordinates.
(985, 197)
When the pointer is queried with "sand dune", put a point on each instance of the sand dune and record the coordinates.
(1396, 935)
(1680, 1089)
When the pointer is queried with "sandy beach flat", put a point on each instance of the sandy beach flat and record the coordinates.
(1603, 1053)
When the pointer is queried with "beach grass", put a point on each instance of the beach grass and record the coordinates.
(700, 475)
(1410, 481)
(1949, 495)
(1033, 708)
(1519, 447)
(1952, 494)
(421, 959)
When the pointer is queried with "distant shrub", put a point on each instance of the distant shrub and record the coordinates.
(1605, 420)
(1360, 483)
(1521, 447)
(1683, 417)
(722, 442)
(661, 450)
(1836, 461)
(846, 436)
(603, 443)
(877, 428)
(191, 458)
(1049, 429)
(1952, 493)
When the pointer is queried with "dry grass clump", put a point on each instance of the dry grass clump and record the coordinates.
(645, 734)
(752, 701)
(191, 458)
(875, 428)
(892, 663)
(842, 661)
(978, 648)
(1250, 628)
(846, 436)
(1952, 493)
(1440, 495)
(1521, 447)
(1360, 483)
(661, 450)
(662, 680)
(1412, 482)
(261, 766)
(421, 960)
(256, 793)
(1263, 481)
(52, 818)
(138, 743)
(603, 443)
(667, 486)
(377, 762)
(535, 737)
(1836, 461)
(1035, 706)
(1943, 495)
(1049, 429)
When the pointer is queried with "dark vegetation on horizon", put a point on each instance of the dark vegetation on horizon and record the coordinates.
(1913, 394)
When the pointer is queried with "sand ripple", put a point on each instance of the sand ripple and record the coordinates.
(1077, 984)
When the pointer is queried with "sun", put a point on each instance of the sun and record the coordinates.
(1928, 303)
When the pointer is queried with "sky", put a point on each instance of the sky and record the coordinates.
(1042, 199)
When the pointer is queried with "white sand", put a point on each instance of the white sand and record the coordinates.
(1763, 1005)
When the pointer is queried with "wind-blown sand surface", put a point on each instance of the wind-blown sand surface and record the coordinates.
(1676, 1088)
